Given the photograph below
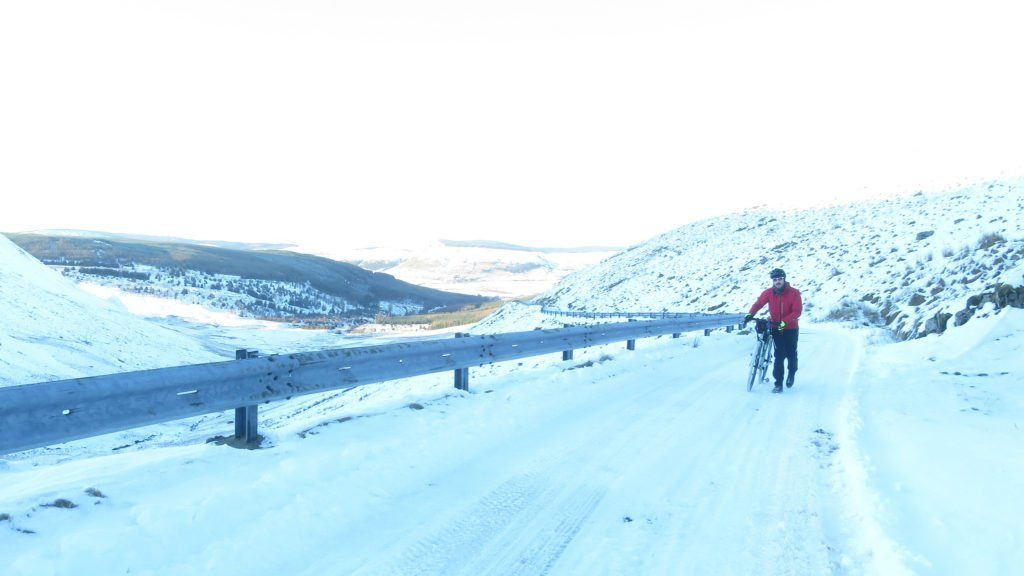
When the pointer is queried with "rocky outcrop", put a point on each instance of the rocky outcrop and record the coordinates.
(1002, 295)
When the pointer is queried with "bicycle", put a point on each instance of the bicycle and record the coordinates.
(762, 356)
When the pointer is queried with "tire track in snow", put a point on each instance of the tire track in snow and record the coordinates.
(526, 523)
(445, 550)
(753, 499)
(787, 492)
(542, 541)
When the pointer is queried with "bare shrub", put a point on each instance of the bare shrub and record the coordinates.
(990, 239)
(852, 311)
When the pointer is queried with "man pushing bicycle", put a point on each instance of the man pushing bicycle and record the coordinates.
(784, 307)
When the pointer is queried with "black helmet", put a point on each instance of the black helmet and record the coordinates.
(777, 273)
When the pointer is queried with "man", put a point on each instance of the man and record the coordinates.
(784, 307)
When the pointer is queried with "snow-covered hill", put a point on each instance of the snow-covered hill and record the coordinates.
(915, 264)
(50, 329)
(485, 268)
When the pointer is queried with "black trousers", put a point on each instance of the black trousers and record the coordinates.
(785, 350)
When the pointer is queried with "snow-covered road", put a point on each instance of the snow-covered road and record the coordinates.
(649, 462)
(676, 471)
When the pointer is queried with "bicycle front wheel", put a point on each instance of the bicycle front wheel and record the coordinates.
(755, 363)
(768, 353)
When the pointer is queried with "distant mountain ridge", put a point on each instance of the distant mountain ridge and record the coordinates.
(482, 267)
(260, 283)
(487, 268)
(117, 236)
(506, 246)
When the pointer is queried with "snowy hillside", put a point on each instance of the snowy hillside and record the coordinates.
(913, 264)
(489, 269)
(247, 297)
(53, 330)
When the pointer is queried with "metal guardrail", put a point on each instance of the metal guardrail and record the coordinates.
(35, 415)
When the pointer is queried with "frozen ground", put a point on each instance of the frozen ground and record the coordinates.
(885, 458)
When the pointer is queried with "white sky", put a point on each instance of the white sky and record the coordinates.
(538, 122)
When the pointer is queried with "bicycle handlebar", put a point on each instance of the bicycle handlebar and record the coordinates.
(766, 323)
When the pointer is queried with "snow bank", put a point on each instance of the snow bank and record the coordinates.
(936, 453)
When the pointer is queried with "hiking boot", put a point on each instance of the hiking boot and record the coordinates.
(789, 381)
(777, 389)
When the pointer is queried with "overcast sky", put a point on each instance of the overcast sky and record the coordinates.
(540, 122)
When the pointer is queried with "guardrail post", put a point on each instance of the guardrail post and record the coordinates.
(566, 354)
(707, 331)
(461, 374)
(631, 344)
(728, 328)
(247, 417)
(675, 334)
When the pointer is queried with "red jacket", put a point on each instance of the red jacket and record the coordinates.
(783, 307)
